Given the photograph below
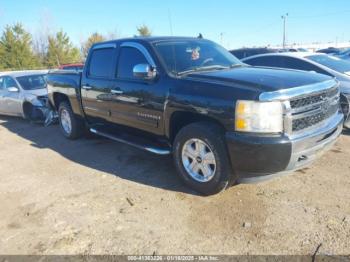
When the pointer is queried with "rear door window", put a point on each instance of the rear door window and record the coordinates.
(101, 63)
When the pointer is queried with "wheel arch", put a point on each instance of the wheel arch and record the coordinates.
(180, 119)
(58, 98)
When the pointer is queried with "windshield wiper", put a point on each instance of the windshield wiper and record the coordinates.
(202, 68)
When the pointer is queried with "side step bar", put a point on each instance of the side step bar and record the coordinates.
(150, 148)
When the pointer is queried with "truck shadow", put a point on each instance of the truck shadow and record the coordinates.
(102, 154)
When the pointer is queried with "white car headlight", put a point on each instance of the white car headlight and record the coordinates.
(259, 117)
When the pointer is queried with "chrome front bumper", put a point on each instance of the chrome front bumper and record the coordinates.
(304, 149)
(311, 145)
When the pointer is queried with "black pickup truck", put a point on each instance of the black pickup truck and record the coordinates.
(224, 122)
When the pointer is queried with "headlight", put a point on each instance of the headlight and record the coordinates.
(259, 117)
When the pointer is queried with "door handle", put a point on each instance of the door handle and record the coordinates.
(117, 92)
(86, 87)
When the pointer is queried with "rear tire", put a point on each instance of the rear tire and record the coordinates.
(201, 158)
(71, 126)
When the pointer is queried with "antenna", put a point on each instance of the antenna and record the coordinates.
(170, 22)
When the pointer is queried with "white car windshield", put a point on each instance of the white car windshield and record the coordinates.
(32, 82)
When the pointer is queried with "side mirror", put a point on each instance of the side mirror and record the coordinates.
(144, 71)
(13, 89)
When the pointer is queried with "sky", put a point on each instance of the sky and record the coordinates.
(232, 23)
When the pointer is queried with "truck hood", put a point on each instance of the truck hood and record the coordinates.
(263, 79)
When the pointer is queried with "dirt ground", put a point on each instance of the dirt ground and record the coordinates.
(95, 196)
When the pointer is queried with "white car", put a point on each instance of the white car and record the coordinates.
(312, 62)
(24, 94)
(345, 54)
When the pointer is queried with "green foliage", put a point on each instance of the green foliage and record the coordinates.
(143, 30)
(94, 38)
(16, 49)
(61, 51)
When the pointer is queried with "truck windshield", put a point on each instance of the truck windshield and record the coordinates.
(332, 62)
(183, 56)
(32, 82)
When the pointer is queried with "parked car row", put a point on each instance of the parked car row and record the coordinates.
(224, 122)
(247, 52)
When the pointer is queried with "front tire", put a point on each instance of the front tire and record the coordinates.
(71, 126)
(201, 158)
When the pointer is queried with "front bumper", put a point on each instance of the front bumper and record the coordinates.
(258, 158)
(346, 109)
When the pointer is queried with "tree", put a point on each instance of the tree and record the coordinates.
(15, 49)
(94, 38)
(60, 50)
(143, 30)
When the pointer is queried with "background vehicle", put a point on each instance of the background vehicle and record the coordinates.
(24, 94)
(330, 51)
(224, 121)
(246, 52)
(77, 67)
(287, 50)
(345, 54)
(314, 62)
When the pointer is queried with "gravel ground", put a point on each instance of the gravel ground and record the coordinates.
(95, 196)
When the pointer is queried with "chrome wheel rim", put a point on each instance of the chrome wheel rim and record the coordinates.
(66, 122)
(198, 160)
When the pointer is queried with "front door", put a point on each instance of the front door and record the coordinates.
(10, 100)
(136, 103)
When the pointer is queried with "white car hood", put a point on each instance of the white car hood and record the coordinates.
(36, 92)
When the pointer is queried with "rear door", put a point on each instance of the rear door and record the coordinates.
(97, 83)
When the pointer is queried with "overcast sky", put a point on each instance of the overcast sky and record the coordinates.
(232, 23)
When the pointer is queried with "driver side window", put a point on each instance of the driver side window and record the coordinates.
(128, 58)
(9, 82)
(2, 84)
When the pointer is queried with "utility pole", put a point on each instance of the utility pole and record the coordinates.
(284, 17)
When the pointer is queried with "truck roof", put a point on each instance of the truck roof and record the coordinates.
(150, 39)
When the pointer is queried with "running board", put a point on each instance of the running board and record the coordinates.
(150, 148)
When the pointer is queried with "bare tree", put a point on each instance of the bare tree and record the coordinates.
(115, 34)
(41, 36)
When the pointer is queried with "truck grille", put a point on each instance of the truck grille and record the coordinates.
(314, 109)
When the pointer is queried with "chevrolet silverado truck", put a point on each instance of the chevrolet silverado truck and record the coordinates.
(224, 122)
